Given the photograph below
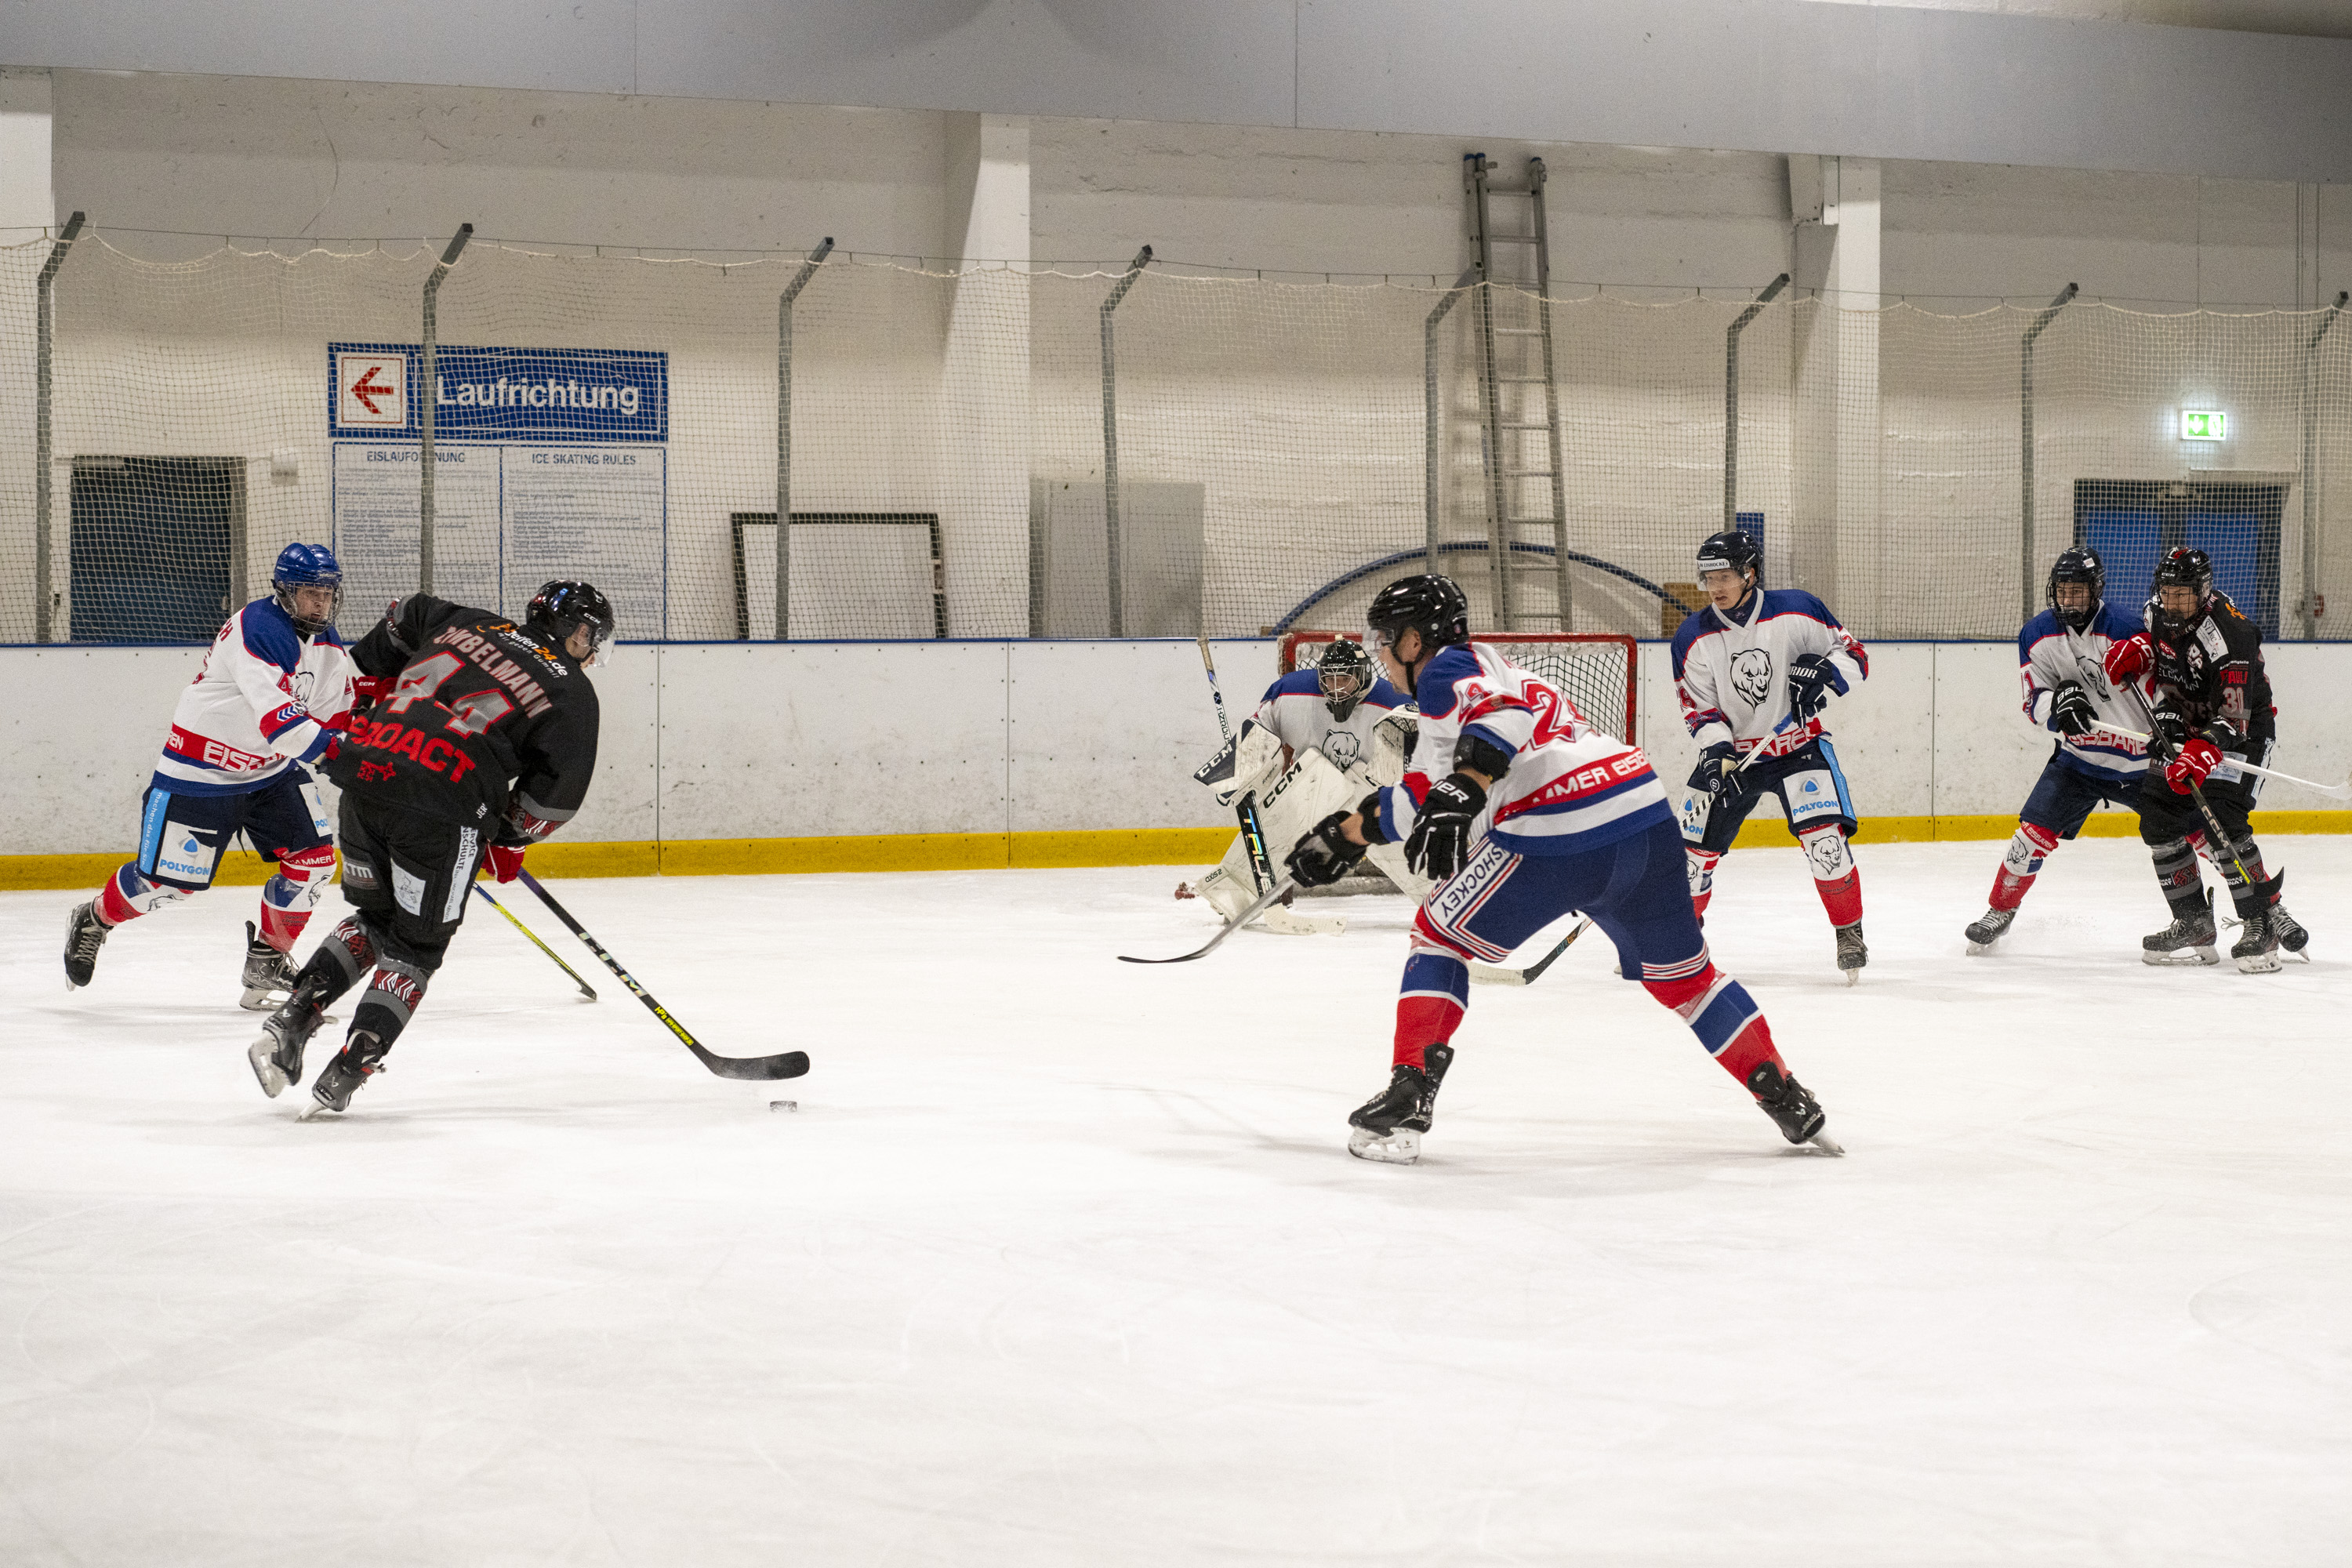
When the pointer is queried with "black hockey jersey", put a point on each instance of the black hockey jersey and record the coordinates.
(486, 725)
(2213, 670)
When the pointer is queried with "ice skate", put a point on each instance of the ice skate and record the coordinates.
(277, 1056)
(2292, 936)
(2256, 951)
(1983, 932)
(85, 934)
(1850, 953)
(1388, 1126)
(268, 974)
(2190, 939)
(1792, 1107)
(361, 1059)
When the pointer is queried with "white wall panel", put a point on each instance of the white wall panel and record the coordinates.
(1988, 753)
(2312, 684)
(811, 740)
(1106, 734)
(620, 807)
(1884, 733)
(83, 731)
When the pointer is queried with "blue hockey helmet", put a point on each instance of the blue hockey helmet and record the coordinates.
(307, 566)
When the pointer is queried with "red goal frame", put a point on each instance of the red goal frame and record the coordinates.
(1502, 642)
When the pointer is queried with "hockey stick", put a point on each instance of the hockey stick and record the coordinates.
(2334, 792)
(1494, 974)
(2197, 792)
(1232, 926)
(1253, 839)
(791, 1064)
(585, 989)
(1209, 663)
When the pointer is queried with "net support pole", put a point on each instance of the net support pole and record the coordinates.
(2311, 470)
(2041, 318)
(1731, 398)
(426, 397)
(44, 480)
(1112, 543)
(1432, 413)
(784, 434)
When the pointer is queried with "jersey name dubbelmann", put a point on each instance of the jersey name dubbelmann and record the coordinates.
(497, 393)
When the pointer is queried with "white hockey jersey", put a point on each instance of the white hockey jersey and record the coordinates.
(1570, 788)
(258, 705)
(1732, 672)
(2047, 657)
(1293, 709)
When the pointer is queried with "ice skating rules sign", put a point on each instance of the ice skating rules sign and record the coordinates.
(547, 463)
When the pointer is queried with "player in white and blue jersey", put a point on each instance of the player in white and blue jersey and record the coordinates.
(1524, 813)
(2061, 658)
(274, 692)
(1755, 669)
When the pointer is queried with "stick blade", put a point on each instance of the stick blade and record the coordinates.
(1179, 958)
(758, 1070)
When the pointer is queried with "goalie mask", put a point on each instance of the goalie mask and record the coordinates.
(1345, 673)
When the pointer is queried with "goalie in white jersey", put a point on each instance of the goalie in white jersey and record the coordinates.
(1524, 813)
(2060, 657)
(1322, 735)
(274, 692)
(1755, 669)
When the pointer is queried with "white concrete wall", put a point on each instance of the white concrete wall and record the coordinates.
(754, 741)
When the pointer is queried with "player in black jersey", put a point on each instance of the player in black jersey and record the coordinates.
(2212, 711)
(484, 745)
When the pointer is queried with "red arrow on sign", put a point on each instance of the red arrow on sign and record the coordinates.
(367, 390)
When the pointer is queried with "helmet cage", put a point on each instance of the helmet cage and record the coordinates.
(2081, 564)
(1344, 675)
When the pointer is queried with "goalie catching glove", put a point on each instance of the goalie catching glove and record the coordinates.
(1324, 853)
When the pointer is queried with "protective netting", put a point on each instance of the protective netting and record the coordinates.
(1595, 671)
(1282, 449)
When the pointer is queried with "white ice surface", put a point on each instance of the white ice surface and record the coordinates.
(1061, 1260)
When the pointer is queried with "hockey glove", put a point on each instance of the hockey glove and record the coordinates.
(2130, 657)
(2199, 758)
(367, 691)
(1440, 841)
(2070, 710)
(2169, 731)
(506, 861)
(1712, 777)
(1812, 681)
(1324, 853)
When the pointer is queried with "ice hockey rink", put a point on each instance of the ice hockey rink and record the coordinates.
(1060, 1260)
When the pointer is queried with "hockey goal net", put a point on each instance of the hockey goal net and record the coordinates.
(1595, 669)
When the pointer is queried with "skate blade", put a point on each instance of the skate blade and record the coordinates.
(2260, 964)
(1977, 948)
(261, 1054)
(315, 1110)
(1401, 1147)
(263, 1001)
(1826, 1144)
(1853, 977)
(2181, 956)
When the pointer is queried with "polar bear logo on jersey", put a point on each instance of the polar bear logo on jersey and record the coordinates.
(1342, 747)
(1752, 675)
(1828, 854)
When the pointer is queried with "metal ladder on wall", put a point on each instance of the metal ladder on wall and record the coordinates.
(1527, 504)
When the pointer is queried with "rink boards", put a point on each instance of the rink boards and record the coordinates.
(736, 757)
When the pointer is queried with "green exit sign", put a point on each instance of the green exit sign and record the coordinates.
(2204, 425)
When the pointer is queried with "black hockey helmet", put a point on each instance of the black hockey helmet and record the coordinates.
(2078, 564)
(559, 609)
(2181, 567)
(1732, 549)
(1345, 674)
(1431, 604)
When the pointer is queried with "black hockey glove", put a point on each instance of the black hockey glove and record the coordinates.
(1441, 839)
(2224, 734)
(1323, 854)
(2170, 730)
(1812, 679)
(1712, 777)
(2070, 709)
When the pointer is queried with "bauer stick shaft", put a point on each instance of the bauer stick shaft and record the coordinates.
(1216, 692)
(585, 989)
(1493, 974)
(791, 1064)
(1232, 926)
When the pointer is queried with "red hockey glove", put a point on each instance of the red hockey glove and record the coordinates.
(367, 691)
(506, 861)
(2130, 657)
(2199, 758)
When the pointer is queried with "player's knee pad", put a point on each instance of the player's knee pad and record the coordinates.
(128, 894)
(350, 947)
(2176, 864)
(392, 999)
(1826, 852)
(302, 876)
(1698, 865)
(2027, 848)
